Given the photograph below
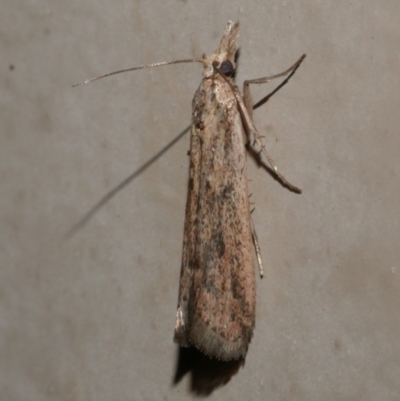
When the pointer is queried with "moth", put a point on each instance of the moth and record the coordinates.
(216, 304)
(217, 298)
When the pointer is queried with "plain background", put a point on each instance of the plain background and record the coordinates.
(91, 316)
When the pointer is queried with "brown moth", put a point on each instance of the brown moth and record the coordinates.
(216, 303)
(216, 306)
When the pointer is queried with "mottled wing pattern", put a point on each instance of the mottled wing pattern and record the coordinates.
(190, 238)
(217, 289)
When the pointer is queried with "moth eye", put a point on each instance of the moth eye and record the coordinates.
(227, 68)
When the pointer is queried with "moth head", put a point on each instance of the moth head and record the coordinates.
(224, 57)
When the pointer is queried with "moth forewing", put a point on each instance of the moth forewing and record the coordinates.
(216, 305)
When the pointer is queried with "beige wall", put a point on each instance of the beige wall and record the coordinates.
(91, 317)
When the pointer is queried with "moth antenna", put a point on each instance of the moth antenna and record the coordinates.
(199, 60)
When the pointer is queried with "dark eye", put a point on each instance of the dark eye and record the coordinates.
(227, 68)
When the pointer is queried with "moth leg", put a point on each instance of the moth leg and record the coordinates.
(285, 182)
(246, 86)
(252, 132)
(257, 248)
(246, 110)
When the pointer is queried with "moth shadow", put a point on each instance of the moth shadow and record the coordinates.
(108, 196)
(207, 374)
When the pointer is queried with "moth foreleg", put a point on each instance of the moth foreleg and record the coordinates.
(246, 86)
(246, 107)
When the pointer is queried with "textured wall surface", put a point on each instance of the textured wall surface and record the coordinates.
(90, 316)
